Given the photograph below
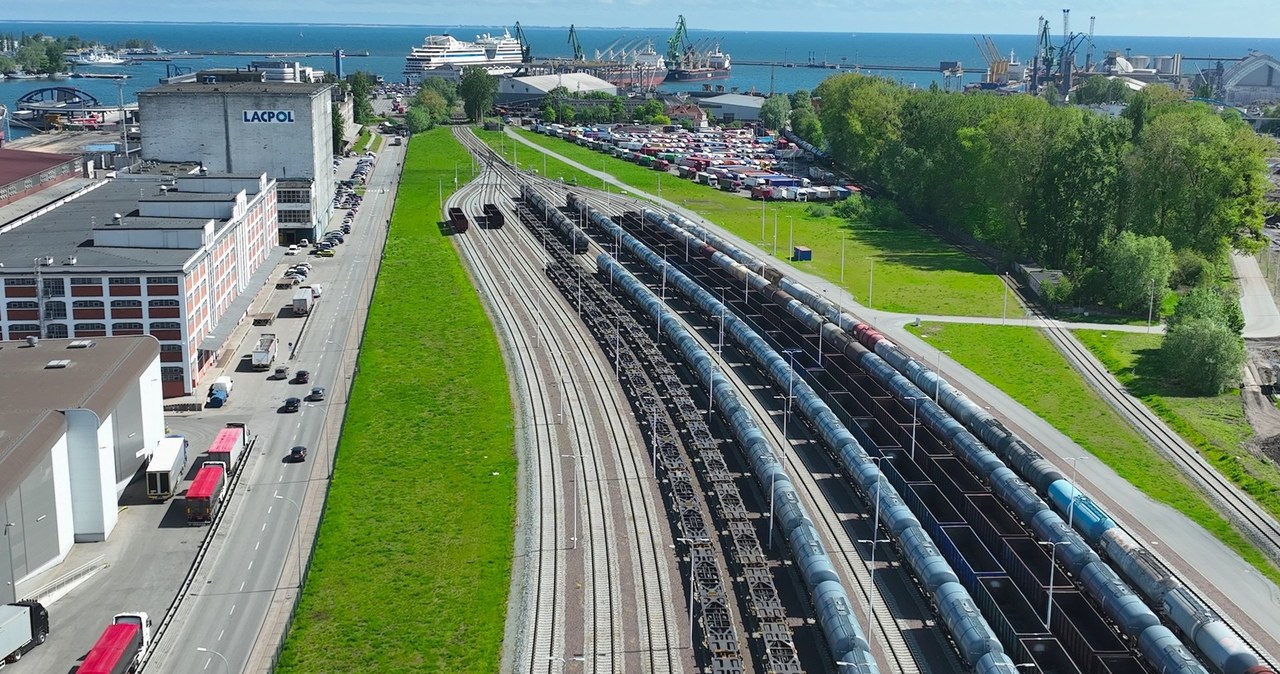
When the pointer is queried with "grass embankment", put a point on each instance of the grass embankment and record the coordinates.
(412, 566)
(1024, 364)
(362, 141)
(915, 272)
(1215, 425)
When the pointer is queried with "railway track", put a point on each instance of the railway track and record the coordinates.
(619, 553)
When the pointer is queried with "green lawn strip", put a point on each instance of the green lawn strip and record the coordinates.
(362, 141)
(1024, 364)
(412, 566)
(1215, 425)
(377, 142)
(532, 159)
(915, 272)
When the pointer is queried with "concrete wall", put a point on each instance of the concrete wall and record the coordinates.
(33, 540)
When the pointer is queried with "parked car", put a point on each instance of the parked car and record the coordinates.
(292, 404)
(297, 454)
(325, 253)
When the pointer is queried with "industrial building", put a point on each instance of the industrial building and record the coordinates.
(23, 173)
(168, 256)
(77, 421)
(239, 123)
(534, 88)
(733, 107)
(1253, 80)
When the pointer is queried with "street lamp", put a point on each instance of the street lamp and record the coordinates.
(299, 530)
(691, 541)
(915, 405)
(791, 379)
(842, 241)
(791, 237)
(1053, 565)
(202, 649)
(1075, 490)
(871, 280)
(1151, 305)
(873, 541)
(575, 458)
(937, 371)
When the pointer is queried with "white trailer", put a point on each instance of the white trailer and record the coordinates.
(302, 301)
(166, 468)
(264, 353)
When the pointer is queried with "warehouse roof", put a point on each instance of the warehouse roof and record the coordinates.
(16, 165)
(572, 81)
(67, 231)
(246, 88)
(735, 99)
(35, 394)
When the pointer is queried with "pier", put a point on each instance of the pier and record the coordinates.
(829, 65)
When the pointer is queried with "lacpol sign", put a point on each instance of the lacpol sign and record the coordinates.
(268, 116)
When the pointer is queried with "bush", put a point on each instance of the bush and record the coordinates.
(1191, 270)
(817, 211)
(1136, 268)
(1204, 356)
(1211, 304)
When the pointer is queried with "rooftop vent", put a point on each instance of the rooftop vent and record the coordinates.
(71, 259)
(82, 344)
(33, 341)
(59, 364)
(46, 261)
(209, 79)
(164, 189)
(115, 218)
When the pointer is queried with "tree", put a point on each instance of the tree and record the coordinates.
(32, 57)
(1212, 304)
(861, 116)
(447, 89)
(1203, 355)
(774, 111)
(433, 104)
(7, 65)
(548, 113)
(1135, 267)
(418, 119)
(1145, 104)
(339, 126)
(477, 89)
(805, 123)
(362, 85)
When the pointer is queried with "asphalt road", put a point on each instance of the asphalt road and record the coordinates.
(256, 544)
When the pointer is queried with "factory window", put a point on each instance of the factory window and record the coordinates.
(24, 327)
(124, 280)
(19, 282)
(126, 327)
(56, 331)
(163, 303)
(166, 325)
(293, 197)
(295, 216)
(171, 374)
(90, 327)
(86, 280)
(54, 287)
(87, 304)
(170, 347)
(170, 280)
(126, 304)
(23, 305)
(55, 310)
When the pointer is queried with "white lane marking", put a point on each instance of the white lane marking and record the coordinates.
(206, 662)
(264, 526)
(269, 509)
(255, 545)
(220, 634)
(250, 566)
(233, 610)
(242, 584)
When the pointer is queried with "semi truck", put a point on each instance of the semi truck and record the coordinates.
(23, 626)
(302, 301)
(121, 647)
(167, 466)
(206, 492)
(264, 353)
(228, 447)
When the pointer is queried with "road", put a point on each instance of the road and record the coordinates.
(1262, 318)
(1249, 599)
(254, 560)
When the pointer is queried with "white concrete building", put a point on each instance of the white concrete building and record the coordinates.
(535, 87)
(283, 129)
(1252, 81)
(77, 421)
(733, 107)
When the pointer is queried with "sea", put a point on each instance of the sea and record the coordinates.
(381, 50)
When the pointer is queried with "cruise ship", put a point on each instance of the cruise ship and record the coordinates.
(445, 56)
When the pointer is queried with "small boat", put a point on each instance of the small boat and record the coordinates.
(94, 57)
(20, 75)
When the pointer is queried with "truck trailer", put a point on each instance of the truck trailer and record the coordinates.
(264, 353)
(206, 492)
(121, 647)
(228, 447)
(23, 626)
(167, 466)
(302, 301)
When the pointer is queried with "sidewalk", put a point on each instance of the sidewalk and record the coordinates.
(1261, 317)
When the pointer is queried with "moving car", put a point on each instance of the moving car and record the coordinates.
(297, 454)
(292, 404)
(301, 377)
(317, 393)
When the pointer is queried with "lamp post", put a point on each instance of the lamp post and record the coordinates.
(575, 458)
(691, 541)
(1004, 309)
(842, 240)
(1151, 305)
(775, 234)
(915, 406)
(871, 280)
(791, 380)
(1075, 490)
(762, 208)
(937, 380)
(873, 541)
(1053, 565)
(791, 237)
(202, 649)
(299, 530)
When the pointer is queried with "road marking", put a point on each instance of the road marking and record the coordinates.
(264, 526)
(269, 509)
(220, 634)
(250, 565)
(255, 545)
(206, 663)
(242, 583)
(233, 610)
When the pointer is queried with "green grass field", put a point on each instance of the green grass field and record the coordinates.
(914, 272)
(1215, 425)
(1023, 364)
(412, 566)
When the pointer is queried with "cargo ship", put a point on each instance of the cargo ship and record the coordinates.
(710, 65)
(628, 68)
(445, 56)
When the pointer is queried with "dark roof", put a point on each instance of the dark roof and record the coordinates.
(18, 164)
(68, 230)
(137, 222)
(190, 196)
(246, 88)
(34, 396)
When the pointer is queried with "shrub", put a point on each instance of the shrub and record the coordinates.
(1204, 356)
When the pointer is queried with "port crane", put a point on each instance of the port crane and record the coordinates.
(678, 44)
(577, 46)
(997, 65)
(526, 52)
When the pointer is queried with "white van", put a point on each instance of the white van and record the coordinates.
(293, 250)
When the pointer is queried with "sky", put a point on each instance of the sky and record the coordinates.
(1221, 18)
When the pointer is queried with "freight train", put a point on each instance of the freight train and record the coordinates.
(974, 639)
(957, 419)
